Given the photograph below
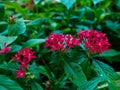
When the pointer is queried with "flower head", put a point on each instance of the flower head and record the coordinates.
(24, 56)
(61, 42)
(94, 41)
(71, 41)
(20, 73)
(5, 49)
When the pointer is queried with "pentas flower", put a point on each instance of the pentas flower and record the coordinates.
(20, 73)
(24, 56)
(61, 42)
(94, 41)
(55, 42)
(5, 49)
(30, 4)
(71, 41)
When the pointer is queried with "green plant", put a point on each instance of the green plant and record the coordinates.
(64, 45)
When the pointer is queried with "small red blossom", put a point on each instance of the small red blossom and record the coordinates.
(24, 56)
(30, 4)
(24, 63)
(5, 49)
(20, 73)
(94, 41)
(55, 42)
(61, 42)
(71, 41)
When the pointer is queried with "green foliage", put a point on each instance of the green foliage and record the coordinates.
(36, 1)
(68, 3)
(3, 26)
(8, 84)
(96, 1)
(16, 29)
(74, 73)
(33, 42)
(36, 86)
(118, 3)
(110, 53)
(104, 70)
(91, 85)
(112, 86)
(16, 6)
(114, 26)
(42, 70)
(35, 22)
(9, 66)
(8, 40)
(2, 11)
(35, 70)
(16, 48)
(28, 23)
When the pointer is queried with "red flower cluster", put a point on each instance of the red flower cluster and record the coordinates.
(30, 4)
(61, 42)
(94, 41)
(23, 56)
(5, 49)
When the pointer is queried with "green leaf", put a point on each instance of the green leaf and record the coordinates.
(90, 85)
(104, 70)
(74, 73)
(16, 29)
(3, 26)
(68, 3)
(42, 70)
(114, 26)
(112, 86)
(86, 67)
(2, 11)
(17, 7)
(113, 59)
(2, 88)
(36, 86)
(80, 27)
(35, 22)
(15, 48)
(103, 86)
(110, 53)
(90, 16)
(118, 3)
(8, 84)
(12, 66)
(96, 1)
(36, 1)
(33, 42)
(38, 21)
(108, 86)
(8, 40)
(34, 69)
